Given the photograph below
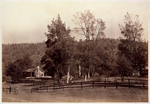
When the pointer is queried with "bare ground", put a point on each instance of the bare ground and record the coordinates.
(98, 94)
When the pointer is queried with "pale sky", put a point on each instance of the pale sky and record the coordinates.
(26, 21)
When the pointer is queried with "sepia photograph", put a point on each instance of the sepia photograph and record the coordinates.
(70, 51)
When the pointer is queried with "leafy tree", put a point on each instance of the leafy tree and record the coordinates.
(132, 29)
(59, 51)
(132, 46)
(99, 58)
(15, 70)
(92, 29)
(11, 52)
(27, 62)
(124, 67)
(88, 25)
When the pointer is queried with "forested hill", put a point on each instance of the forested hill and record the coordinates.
(12, 52)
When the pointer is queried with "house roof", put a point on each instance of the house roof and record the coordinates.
(33, 69)
(30, 70)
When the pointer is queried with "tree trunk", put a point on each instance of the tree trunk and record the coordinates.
(79, 71)
(85, 77)
(88, 74)
(68, 74)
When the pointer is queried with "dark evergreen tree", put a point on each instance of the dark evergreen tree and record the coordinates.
(60, 45)
(15, 69)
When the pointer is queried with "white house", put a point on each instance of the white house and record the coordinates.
(39, 72)
(35, 72)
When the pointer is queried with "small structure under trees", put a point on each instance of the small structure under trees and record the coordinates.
(34, 72)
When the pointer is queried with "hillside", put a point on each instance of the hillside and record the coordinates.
(12, 52)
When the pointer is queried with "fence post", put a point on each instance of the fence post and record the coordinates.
(116, 84)
(53, 86)
(9, 90)
(63, 86)
(129, 82)
(93, 84)
(143, 84)
(135, 81)
(47, 88)
(81, 86)
(105, 83)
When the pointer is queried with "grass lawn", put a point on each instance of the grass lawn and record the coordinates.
(98, 94)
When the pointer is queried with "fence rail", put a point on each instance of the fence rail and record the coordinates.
(10, 90)
(91, 84)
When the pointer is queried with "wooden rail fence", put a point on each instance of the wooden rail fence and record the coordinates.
(10, 90)
(128, 83)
